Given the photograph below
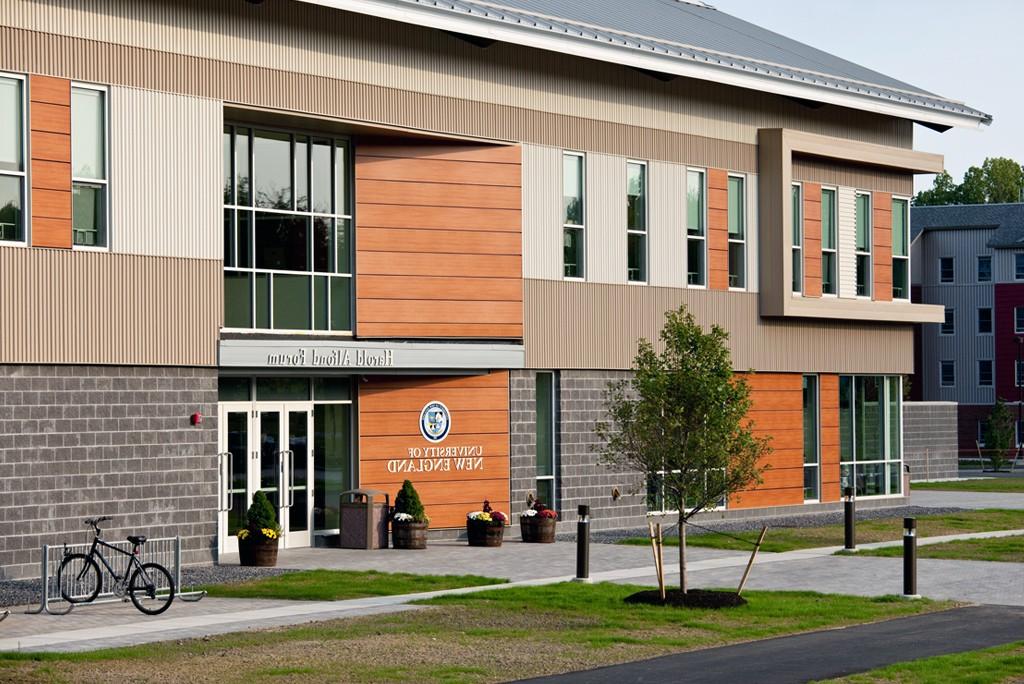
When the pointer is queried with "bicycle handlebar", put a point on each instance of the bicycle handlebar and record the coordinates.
(96, 521)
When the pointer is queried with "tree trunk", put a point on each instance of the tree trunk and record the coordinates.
(682, 553)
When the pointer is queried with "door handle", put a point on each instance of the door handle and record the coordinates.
(225, 469)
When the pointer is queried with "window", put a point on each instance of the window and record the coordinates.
(737, 233)
(12, 159)
(862, 247)
(946, 273)
(1018, 319)
(696, 214)
(546, 393)
(811, 453)
(947, 373)
(1018, 373)
(89, 166)
(984, 269)
(870, 430)
(572, 214)
(985, 373)
(798, 238)
(1018, 266)
(900, 250)
(287, 231)
(636, 222)
(948, 326)
(984, 321)
(982, 431)
(828, 241)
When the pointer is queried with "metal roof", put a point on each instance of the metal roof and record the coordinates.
(678, 37)
(1007, 220)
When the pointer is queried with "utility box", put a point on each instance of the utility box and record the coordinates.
(364, 519)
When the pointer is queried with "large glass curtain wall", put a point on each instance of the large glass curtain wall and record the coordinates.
(287, 231)
(870, 426)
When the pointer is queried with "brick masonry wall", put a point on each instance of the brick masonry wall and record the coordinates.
(80, 441)
(930, 439)
(582, 479)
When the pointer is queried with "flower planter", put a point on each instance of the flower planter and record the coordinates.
(408, 535)
(484, 534)
(537, 529)
(261, 553)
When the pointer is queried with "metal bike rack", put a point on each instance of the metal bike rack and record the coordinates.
(166, 551)
(4, 614)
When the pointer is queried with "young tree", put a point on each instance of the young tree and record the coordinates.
(682, 422)
(999, 435)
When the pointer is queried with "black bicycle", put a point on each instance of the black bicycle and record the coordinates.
(149, 586)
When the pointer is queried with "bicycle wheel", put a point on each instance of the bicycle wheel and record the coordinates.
(78, 578)
(151, 588)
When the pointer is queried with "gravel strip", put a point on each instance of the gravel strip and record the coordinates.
(18, 593)
(753, 524)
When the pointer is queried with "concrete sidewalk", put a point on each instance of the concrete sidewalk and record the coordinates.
(935, 498)
(108, 625)
(821, 655)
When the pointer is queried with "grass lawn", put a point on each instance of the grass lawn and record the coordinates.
(334, 585)
(992, 666)
(988, 484)
(1005, 549)
(488, 636)
(882, 529)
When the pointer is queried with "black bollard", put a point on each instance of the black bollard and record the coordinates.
(910, 558)
(850, 515)
(583, 544)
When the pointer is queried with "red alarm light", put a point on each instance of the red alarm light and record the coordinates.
(197, 418)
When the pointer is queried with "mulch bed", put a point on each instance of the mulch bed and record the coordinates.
(694, 598)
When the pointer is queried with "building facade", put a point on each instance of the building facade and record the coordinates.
(969, 259)
(301, 247)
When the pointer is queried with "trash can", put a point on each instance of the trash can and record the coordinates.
(364, 519)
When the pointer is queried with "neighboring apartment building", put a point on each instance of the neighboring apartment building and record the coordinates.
(969, 259)
(304, 246)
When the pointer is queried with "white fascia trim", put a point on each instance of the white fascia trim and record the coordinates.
(582, 47)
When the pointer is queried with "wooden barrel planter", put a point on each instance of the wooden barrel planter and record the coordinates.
(537, 530)
(409, 535)
(260, 554)
(484, 534)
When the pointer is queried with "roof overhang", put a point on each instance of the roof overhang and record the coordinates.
(482, 27)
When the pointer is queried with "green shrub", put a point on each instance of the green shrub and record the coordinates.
(261, 514)
(408, 501)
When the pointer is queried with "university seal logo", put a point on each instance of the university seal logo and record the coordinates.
(435, 422)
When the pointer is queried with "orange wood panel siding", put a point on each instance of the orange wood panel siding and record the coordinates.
(718, 229)
(50, 163)
(812, 239)
(438, 240)
(828, 398)
(777, 411)
(881, 246)
(389, 413)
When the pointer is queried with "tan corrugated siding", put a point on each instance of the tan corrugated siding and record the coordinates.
(830, 172)
(101, 308)
(165, 197)
(588, 325)
(299, 37)
(542, 212)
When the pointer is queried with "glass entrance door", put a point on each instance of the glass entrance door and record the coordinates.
(266, 447)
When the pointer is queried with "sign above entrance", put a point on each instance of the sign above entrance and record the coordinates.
(305, 355)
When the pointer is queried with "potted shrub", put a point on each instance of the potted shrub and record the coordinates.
(257, 541)
(408, 520)
(537, 524)
(485, 527)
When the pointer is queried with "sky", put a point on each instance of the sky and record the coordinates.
(967, 50)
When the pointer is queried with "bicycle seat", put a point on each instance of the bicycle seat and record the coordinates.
(137, 539)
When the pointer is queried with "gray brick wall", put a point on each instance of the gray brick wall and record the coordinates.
(79, 441)
(930, 439)
(582, 479)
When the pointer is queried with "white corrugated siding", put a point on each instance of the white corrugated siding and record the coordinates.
(666, 235)
(606, 217)
(847, 227)
(752, 233)
(542, 206)
(300, 37)
(165, 174)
